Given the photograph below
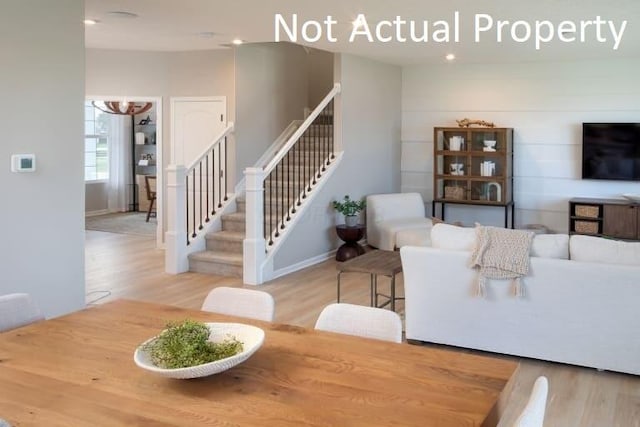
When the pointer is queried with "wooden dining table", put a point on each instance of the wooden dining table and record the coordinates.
(78, 370)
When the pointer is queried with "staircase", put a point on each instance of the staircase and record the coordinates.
(223, 253)
(284, 192)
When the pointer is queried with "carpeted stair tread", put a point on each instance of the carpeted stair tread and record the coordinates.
(218, 256)
(226, 235)
(236, 217)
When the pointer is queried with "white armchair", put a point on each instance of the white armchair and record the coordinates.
(389, 213)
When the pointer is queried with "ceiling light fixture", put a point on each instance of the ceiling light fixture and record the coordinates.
(90, 22)
(359, 21)
(122, 107)
(237, 42)
(450, 57)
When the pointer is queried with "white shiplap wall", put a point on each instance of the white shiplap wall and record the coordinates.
(545, 103)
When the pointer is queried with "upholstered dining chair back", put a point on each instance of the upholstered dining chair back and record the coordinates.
(17, 310)
(359, 320)
(240, 302)
(533, 413)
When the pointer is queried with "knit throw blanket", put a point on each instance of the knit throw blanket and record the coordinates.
(501, 253)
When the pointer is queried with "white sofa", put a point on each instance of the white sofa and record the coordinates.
(582, 311)
(387, 214)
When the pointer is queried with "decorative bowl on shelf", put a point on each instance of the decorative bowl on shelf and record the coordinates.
(635, 198)
(250, 336)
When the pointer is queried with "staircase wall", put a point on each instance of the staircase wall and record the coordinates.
(370, 135)
(271, 92)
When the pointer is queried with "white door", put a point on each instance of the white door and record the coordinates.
(195, 122)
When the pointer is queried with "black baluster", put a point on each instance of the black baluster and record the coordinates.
(193, 198)
(200, 172)
(187, 204)
(206, 180)
(324, 150)
(276, 201)
(270, 208)
(213, 181)
(219, 177)
(224, 173)
(289, 187)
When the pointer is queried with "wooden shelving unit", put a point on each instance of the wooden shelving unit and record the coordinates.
(474, 166)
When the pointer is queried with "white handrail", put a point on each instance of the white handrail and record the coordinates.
(298, 133)
(226, 131)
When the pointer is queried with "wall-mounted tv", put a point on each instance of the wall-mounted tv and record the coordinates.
(611, 151)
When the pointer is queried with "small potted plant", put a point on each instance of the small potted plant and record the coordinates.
(350, 209)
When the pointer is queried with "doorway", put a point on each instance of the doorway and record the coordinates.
(122, 151)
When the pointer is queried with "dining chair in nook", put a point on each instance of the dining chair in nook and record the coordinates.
(360, 320)
(240, 302)
(150, 186)
(533, 414)
(18, 310)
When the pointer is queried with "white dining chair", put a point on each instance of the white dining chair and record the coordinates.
(360, 320)
(533, 414)
(240, 302)
(17, 310)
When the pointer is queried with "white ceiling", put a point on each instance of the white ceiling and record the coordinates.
(172, 25)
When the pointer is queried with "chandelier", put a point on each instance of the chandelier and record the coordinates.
(124, 107)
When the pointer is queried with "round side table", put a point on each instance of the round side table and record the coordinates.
(350, 236)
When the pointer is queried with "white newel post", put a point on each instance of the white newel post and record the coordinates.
(175, 254)
(254, 244)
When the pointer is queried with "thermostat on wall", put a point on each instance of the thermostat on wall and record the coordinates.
(23, 163)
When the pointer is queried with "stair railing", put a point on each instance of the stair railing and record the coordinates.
(276, 192)
(195, 194)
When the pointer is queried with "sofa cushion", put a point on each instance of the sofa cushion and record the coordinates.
(389, 229)
(606, 251)
(414, 237)
(454, 238)
(550, 246)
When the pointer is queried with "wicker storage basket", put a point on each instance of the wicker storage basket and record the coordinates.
(586, 227)
(587, 211)
(456, 193)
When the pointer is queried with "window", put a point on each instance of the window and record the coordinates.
(96, 144)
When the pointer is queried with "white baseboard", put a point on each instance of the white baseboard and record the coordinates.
(304, 264)
(96, 213)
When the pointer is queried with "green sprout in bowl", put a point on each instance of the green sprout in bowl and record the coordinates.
(187, 344)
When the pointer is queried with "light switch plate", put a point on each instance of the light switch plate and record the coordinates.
(23, 163)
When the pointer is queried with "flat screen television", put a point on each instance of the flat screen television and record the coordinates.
(611, 151)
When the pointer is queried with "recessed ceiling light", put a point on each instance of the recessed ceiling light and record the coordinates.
(122, 14)
(90, 22)
(237, 42)
(450, 57)
(359, 21)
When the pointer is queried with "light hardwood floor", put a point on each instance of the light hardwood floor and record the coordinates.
(127, 266)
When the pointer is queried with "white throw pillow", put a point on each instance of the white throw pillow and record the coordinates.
(454, 238)
(606, 251)
(550, 246)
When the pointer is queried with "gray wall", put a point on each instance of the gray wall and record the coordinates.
(271, 92)
(42, 216)
(96, 197)
(371, 163)
(546, 104)
(164, 74)
(320, 72)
